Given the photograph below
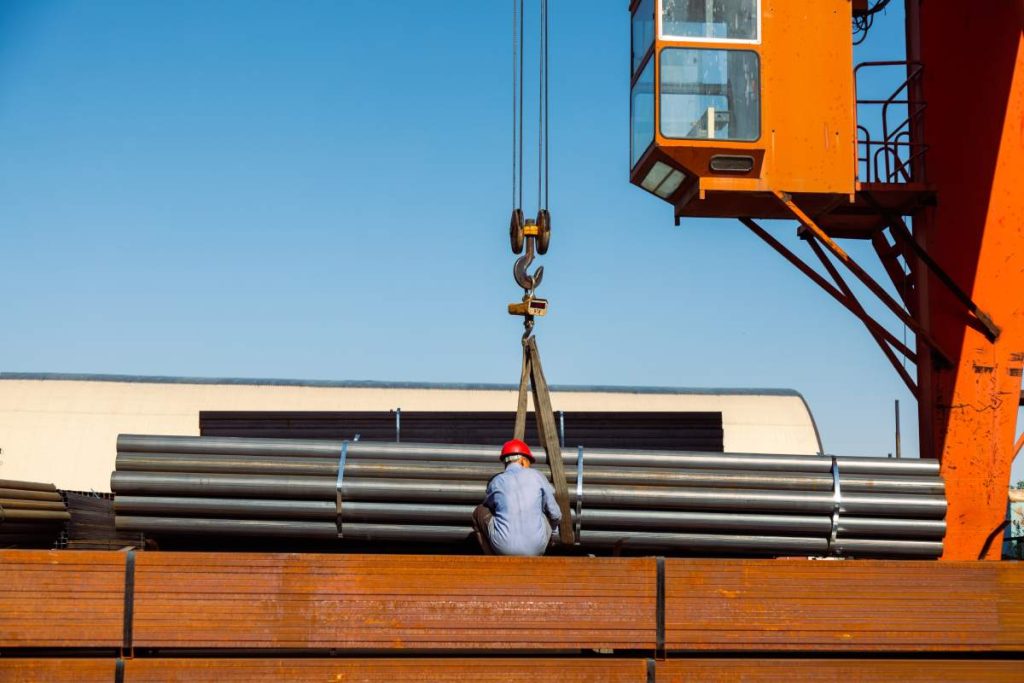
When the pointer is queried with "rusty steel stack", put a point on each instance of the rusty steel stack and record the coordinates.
(657, 501)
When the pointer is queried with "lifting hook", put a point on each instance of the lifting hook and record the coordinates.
(535, 236)
(528, 282)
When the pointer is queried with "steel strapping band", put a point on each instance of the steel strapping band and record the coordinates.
(837, 502)
(342, 458)
(652, 675)
(579, 493)
(660, 609)
(129, 601)
(2, 515)
(119, 671)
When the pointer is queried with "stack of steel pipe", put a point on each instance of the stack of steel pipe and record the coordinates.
(32, 514)
(661, 501)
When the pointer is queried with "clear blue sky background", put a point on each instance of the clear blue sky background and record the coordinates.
(320, 189)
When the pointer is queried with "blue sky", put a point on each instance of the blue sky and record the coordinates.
(321, 190)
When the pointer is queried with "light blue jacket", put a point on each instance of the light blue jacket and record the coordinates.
(525, 511)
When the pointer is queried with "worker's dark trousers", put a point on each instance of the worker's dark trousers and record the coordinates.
(482, 526)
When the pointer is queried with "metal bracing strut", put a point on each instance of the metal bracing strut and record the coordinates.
(903, 237)
(864, 277)
(846, 298)
(860, 312)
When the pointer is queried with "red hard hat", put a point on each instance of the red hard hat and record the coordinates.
(516, 447)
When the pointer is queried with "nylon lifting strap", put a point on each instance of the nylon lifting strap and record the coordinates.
(547, 432)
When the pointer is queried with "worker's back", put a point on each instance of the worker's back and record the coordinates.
(522, 501)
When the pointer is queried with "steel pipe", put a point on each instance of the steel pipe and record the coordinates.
(398, 513)
(445, 491)
(406, 532)
(26, 485)
(18, 504)
(224, 507)
(862, 547)
(594, 519)
(355, 467)
(891, 528)
(485, 453)
(646, 500)
(22, 494)
(239, 527)
(23, 515)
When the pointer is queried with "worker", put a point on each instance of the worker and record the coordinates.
(519, 510)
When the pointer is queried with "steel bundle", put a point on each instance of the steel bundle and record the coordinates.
(32, 514)
(652, 500)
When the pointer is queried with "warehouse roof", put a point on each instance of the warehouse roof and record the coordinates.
(372, 384)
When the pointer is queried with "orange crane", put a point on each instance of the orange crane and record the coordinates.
(749, 109)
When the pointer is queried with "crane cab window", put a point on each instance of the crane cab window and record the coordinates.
(710, 19)
(641, 114)
(710, 94)
(643, 33)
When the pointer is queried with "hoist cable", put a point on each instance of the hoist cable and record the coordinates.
(522, 50)
(517, 106)
(540, 110)
(547, 138)
(515, 77)
(518, 103)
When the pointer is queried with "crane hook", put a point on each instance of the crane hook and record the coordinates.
(528, 282)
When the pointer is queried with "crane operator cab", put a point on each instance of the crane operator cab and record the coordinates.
(734, 99)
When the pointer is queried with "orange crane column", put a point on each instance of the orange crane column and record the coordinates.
(974, 125)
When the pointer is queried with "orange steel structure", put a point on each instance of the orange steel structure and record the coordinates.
(750, 110)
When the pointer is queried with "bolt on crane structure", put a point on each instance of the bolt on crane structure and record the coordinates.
(749, 109)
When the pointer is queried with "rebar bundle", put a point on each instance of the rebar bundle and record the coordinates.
(684, 502)
(32, 514)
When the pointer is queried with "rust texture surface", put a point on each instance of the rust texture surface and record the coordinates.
(53, 598)
(847, 670)
(388, 670)
(513, 670)
(385, 602)
(57, 670)
(844, 605)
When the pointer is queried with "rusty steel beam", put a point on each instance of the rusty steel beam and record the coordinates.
(492, 669)
(522, 669)
(849, 668)
(61, 599)
(259, 604)
(800, 606)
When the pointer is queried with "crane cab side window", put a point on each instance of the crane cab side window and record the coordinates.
(641, 114)
(711, 19)
(643, 33)
(641, 100)
(710, 94)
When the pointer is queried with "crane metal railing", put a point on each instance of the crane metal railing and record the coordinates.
(895, 156)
